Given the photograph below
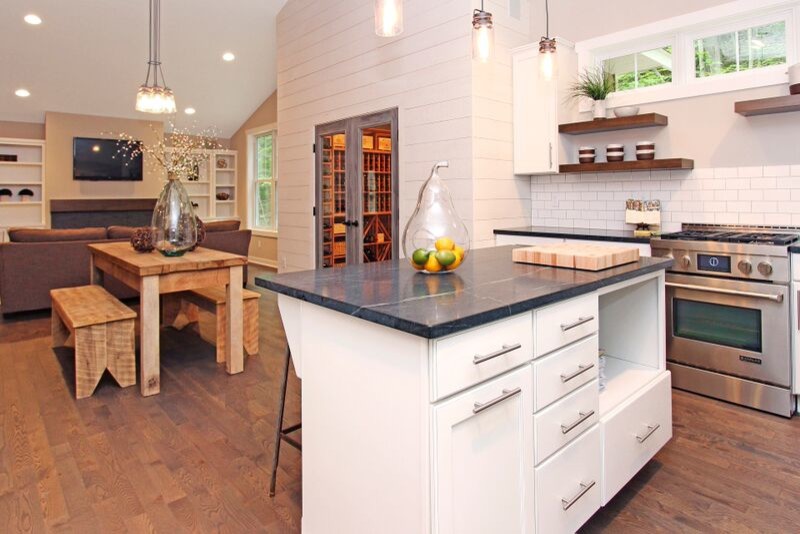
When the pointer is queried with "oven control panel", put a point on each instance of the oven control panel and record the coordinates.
(727, 264)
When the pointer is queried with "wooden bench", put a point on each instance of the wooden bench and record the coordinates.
(103, 332)
(183, 308)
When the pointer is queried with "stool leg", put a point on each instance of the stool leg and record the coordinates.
(279, 424)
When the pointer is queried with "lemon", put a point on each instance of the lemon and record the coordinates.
(444, 243)
(458, 250)
(459, 258)
(432, 265)
(417, 266)
(445, 257)
(420, 256)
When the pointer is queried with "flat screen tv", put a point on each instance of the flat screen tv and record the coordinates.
(101, 159)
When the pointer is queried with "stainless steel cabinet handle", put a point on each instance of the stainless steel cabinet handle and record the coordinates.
(583, 416)
(505, 350)
(767, 296)
(507, 394)
(566, 504)
(581, 369)
(551, 155)
(580, 321)
(650, 431)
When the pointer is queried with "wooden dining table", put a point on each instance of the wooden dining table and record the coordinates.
(152, 275)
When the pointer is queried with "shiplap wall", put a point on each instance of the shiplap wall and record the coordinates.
(332, 66)
(501, 200)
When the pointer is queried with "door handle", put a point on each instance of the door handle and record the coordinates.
(576, 324)
(582, 416)
(691, 287)
(551, 156)
(505, 350)
(581, 369)
(351, 223)
(650, 431)
(507, 394)
(566, 504)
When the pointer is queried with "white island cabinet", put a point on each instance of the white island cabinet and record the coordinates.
(499, 426)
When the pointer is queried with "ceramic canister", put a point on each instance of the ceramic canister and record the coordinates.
(615, 152)
(586, 154)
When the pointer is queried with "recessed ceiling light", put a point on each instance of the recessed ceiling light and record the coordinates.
(22, 93)
(189, 111)
(228, 56)
(33, 20)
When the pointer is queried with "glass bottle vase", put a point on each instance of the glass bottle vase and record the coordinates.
(174, 224)
(435, 240)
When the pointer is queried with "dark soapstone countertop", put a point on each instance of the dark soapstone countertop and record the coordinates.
(591, 234)
(487, 287)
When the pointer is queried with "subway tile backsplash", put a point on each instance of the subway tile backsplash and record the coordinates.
(725, 195)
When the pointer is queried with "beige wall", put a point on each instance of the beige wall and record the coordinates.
(21, 130)
(262, 248)
(60, 128)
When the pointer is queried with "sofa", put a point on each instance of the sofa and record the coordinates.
(34, 261)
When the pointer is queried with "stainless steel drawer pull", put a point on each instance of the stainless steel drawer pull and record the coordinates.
(690, 287)
(582, 416)
(581, 369)
(567, 504)
(505, 350)
(650, 431)
(507, 394)
(576, 324)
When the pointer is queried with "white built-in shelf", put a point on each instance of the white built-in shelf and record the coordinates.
(2, 183)
(20, 163)
(225, 201)
(624, 379)
(18, 203)
(225, 170)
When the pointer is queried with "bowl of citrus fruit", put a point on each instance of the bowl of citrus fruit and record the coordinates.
(446, 256)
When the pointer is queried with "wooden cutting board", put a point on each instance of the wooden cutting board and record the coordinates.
(588, 257)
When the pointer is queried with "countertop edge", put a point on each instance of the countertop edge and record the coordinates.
(794, 249)
(463, 323)
(572, 234)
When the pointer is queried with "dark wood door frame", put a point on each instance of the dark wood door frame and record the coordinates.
(352, 127)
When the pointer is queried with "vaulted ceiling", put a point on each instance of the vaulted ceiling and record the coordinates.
(90, 56)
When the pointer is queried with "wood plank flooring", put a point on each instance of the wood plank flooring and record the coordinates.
(196, 458)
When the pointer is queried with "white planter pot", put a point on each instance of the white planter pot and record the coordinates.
(599, 109)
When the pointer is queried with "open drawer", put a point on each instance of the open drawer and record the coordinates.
(634, 432)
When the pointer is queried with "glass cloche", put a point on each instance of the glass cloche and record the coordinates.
(435, 239)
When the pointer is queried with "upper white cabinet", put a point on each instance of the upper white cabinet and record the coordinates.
(539, 106)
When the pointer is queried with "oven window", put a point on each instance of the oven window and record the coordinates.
(730, 326)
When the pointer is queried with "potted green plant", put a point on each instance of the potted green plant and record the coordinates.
(595, 84)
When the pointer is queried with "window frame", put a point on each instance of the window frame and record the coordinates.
(252, 180)
(681, 31)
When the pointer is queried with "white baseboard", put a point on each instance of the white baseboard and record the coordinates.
(270, 264)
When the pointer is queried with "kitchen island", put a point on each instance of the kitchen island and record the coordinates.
(471, 401)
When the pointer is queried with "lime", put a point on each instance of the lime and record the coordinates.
(420, 256)
(445, 257)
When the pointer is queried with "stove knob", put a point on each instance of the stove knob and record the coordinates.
(746, 267)
(765, 268)
(686, 262)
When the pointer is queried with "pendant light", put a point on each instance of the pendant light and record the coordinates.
(482, 35)
(155, 96)
(388, 18)
(547, 50)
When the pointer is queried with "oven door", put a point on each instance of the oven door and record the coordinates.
(733, 327)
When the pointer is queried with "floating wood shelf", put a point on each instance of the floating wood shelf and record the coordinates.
(636, 165)
(645, 120)
(766, 106)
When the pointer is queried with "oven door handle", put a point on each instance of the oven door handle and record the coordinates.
(766, 296)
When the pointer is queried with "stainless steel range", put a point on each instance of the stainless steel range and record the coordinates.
(728, 316)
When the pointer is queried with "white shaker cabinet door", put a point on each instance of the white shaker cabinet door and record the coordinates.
(483, 458)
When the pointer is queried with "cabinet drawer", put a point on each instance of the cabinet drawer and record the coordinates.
(634, 432)
(565, 322)
(471, 357)
(568, 485)
(564, 372)
(565, 420)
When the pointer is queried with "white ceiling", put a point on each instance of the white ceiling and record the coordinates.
(90, 56)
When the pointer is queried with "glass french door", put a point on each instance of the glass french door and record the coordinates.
(357, 188)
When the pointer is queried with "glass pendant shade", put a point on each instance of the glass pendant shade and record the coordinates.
(548, 66)
(435, 240)
(155, 100)
(388, 18)
(174, 224)
(482, 36)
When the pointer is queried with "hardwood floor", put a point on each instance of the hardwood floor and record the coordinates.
(197, 456)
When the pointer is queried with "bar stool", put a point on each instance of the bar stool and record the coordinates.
(282, 434)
